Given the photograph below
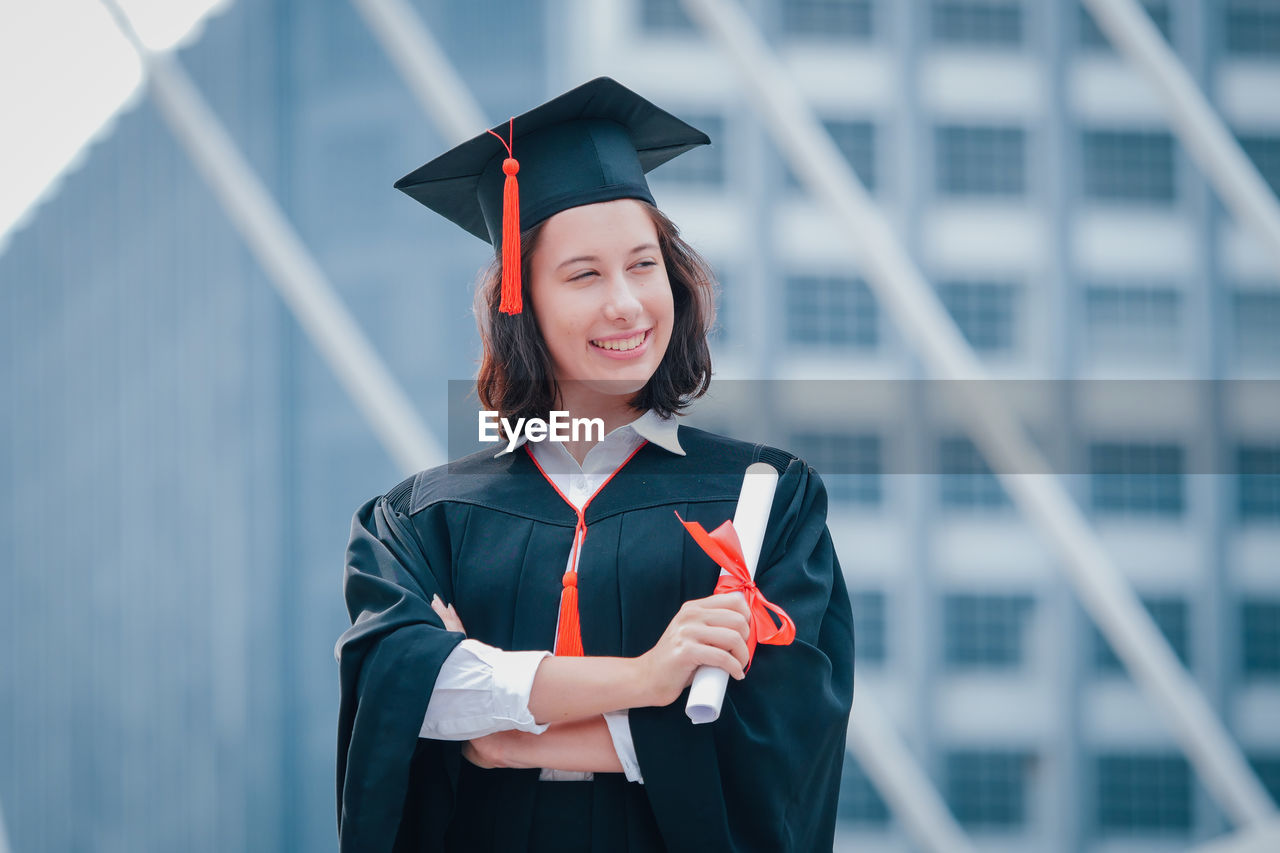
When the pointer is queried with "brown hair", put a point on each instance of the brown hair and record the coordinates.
(516, 377)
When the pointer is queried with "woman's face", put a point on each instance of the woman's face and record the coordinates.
(601, 296)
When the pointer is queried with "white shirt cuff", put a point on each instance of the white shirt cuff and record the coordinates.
(481, 690)
(619, 723)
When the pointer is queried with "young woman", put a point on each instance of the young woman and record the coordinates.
(479, 738)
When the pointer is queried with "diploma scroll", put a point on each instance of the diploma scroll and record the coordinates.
(706, 693)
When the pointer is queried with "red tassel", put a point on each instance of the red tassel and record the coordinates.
(569, 640)
(511, 302)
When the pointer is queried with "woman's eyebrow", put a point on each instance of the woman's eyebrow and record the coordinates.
(642, 247)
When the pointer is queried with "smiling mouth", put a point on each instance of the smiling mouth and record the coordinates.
(624, 344)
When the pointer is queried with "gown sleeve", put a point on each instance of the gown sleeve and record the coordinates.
(388, 661)
(765, 776)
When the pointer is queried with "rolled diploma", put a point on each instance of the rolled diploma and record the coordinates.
(706, 693)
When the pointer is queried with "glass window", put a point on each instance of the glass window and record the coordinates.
(988, 788)
(975, 22)
(1136, 478)
(868, 626)
(1267, 766)
(665, 16)
(1252, 27)
(984, 631)
(984, 311)
(703, 166)
(831, 310)
(1129, 165)
(849, 463)
(980, 161)
(1143, 793)
(1264, 151)
(828, 18)
(1260, 623)
(1091, 37)
(856, 139)
(1170, 615)
(966, 480)
(1133, 319)
(860, 802)
(1258, 482)
(1256, 317)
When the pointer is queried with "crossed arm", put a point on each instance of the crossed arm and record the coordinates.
(578, 737)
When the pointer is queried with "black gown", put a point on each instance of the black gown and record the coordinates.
(492, 536)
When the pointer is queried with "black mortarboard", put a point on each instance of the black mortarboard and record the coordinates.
(591, 144)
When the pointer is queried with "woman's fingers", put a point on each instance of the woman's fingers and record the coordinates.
(447, 615)
(731, 601)
(726, 618)
(724, 640)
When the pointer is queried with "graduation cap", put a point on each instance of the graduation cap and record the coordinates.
(591, 144)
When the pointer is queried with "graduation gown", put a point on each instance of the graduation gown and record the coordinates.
(492, 536)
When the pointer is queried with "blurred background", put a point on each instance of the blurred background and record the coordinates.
(182, 451)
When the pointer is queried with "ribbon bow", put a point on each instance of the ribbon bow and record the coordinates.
(722, 546)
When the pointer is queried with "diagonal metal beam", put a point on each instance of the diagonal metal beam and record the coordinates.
(426, 70)
(290, 267)
(900, 779)
(903, 290)
(1206, 138)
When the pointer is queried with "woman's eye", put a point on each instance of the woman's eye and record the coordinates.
(582, 276)
(647, 264)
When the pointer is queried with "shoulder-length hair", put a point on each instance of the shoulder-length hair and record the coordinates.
(516, 378)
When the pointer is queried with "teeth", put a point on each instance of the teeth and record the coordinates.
(622, 345)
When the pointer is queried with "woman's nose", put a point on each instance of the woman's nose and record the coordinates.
(621, 301)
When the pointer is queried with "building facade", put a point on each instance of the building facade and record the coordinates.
(168, 654)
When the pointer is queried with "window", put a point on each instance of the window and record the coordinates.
(828, 18)
(1170, 615)
(1091, 37)
(984, 312)
(856, 139)
(1136, 478)
(868, 626)
(984, 631)
(703, 166)
(980, 161)
(849, 464)
(1256, 318)
(974, 22)
(664, 16)
(1267, 766)
(831, 310)
(1258, 482)
(1129, 166)
(1143, 793)
(1252, 27)
(1260, 623)
(1133, 319)
(987, 789)
(1264, 151)
(966, 480)
(860, 802)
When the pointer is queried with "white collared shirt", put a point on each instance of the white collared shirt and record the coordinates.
(482, 689)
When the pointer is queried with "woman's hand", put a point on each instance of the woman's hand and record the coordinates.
(447, 614)
(711, 631)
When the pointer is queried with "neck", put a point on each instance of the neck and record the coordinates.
(614, 411)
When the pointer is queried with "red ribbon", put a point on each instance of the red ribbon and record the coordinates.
(722, 546)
